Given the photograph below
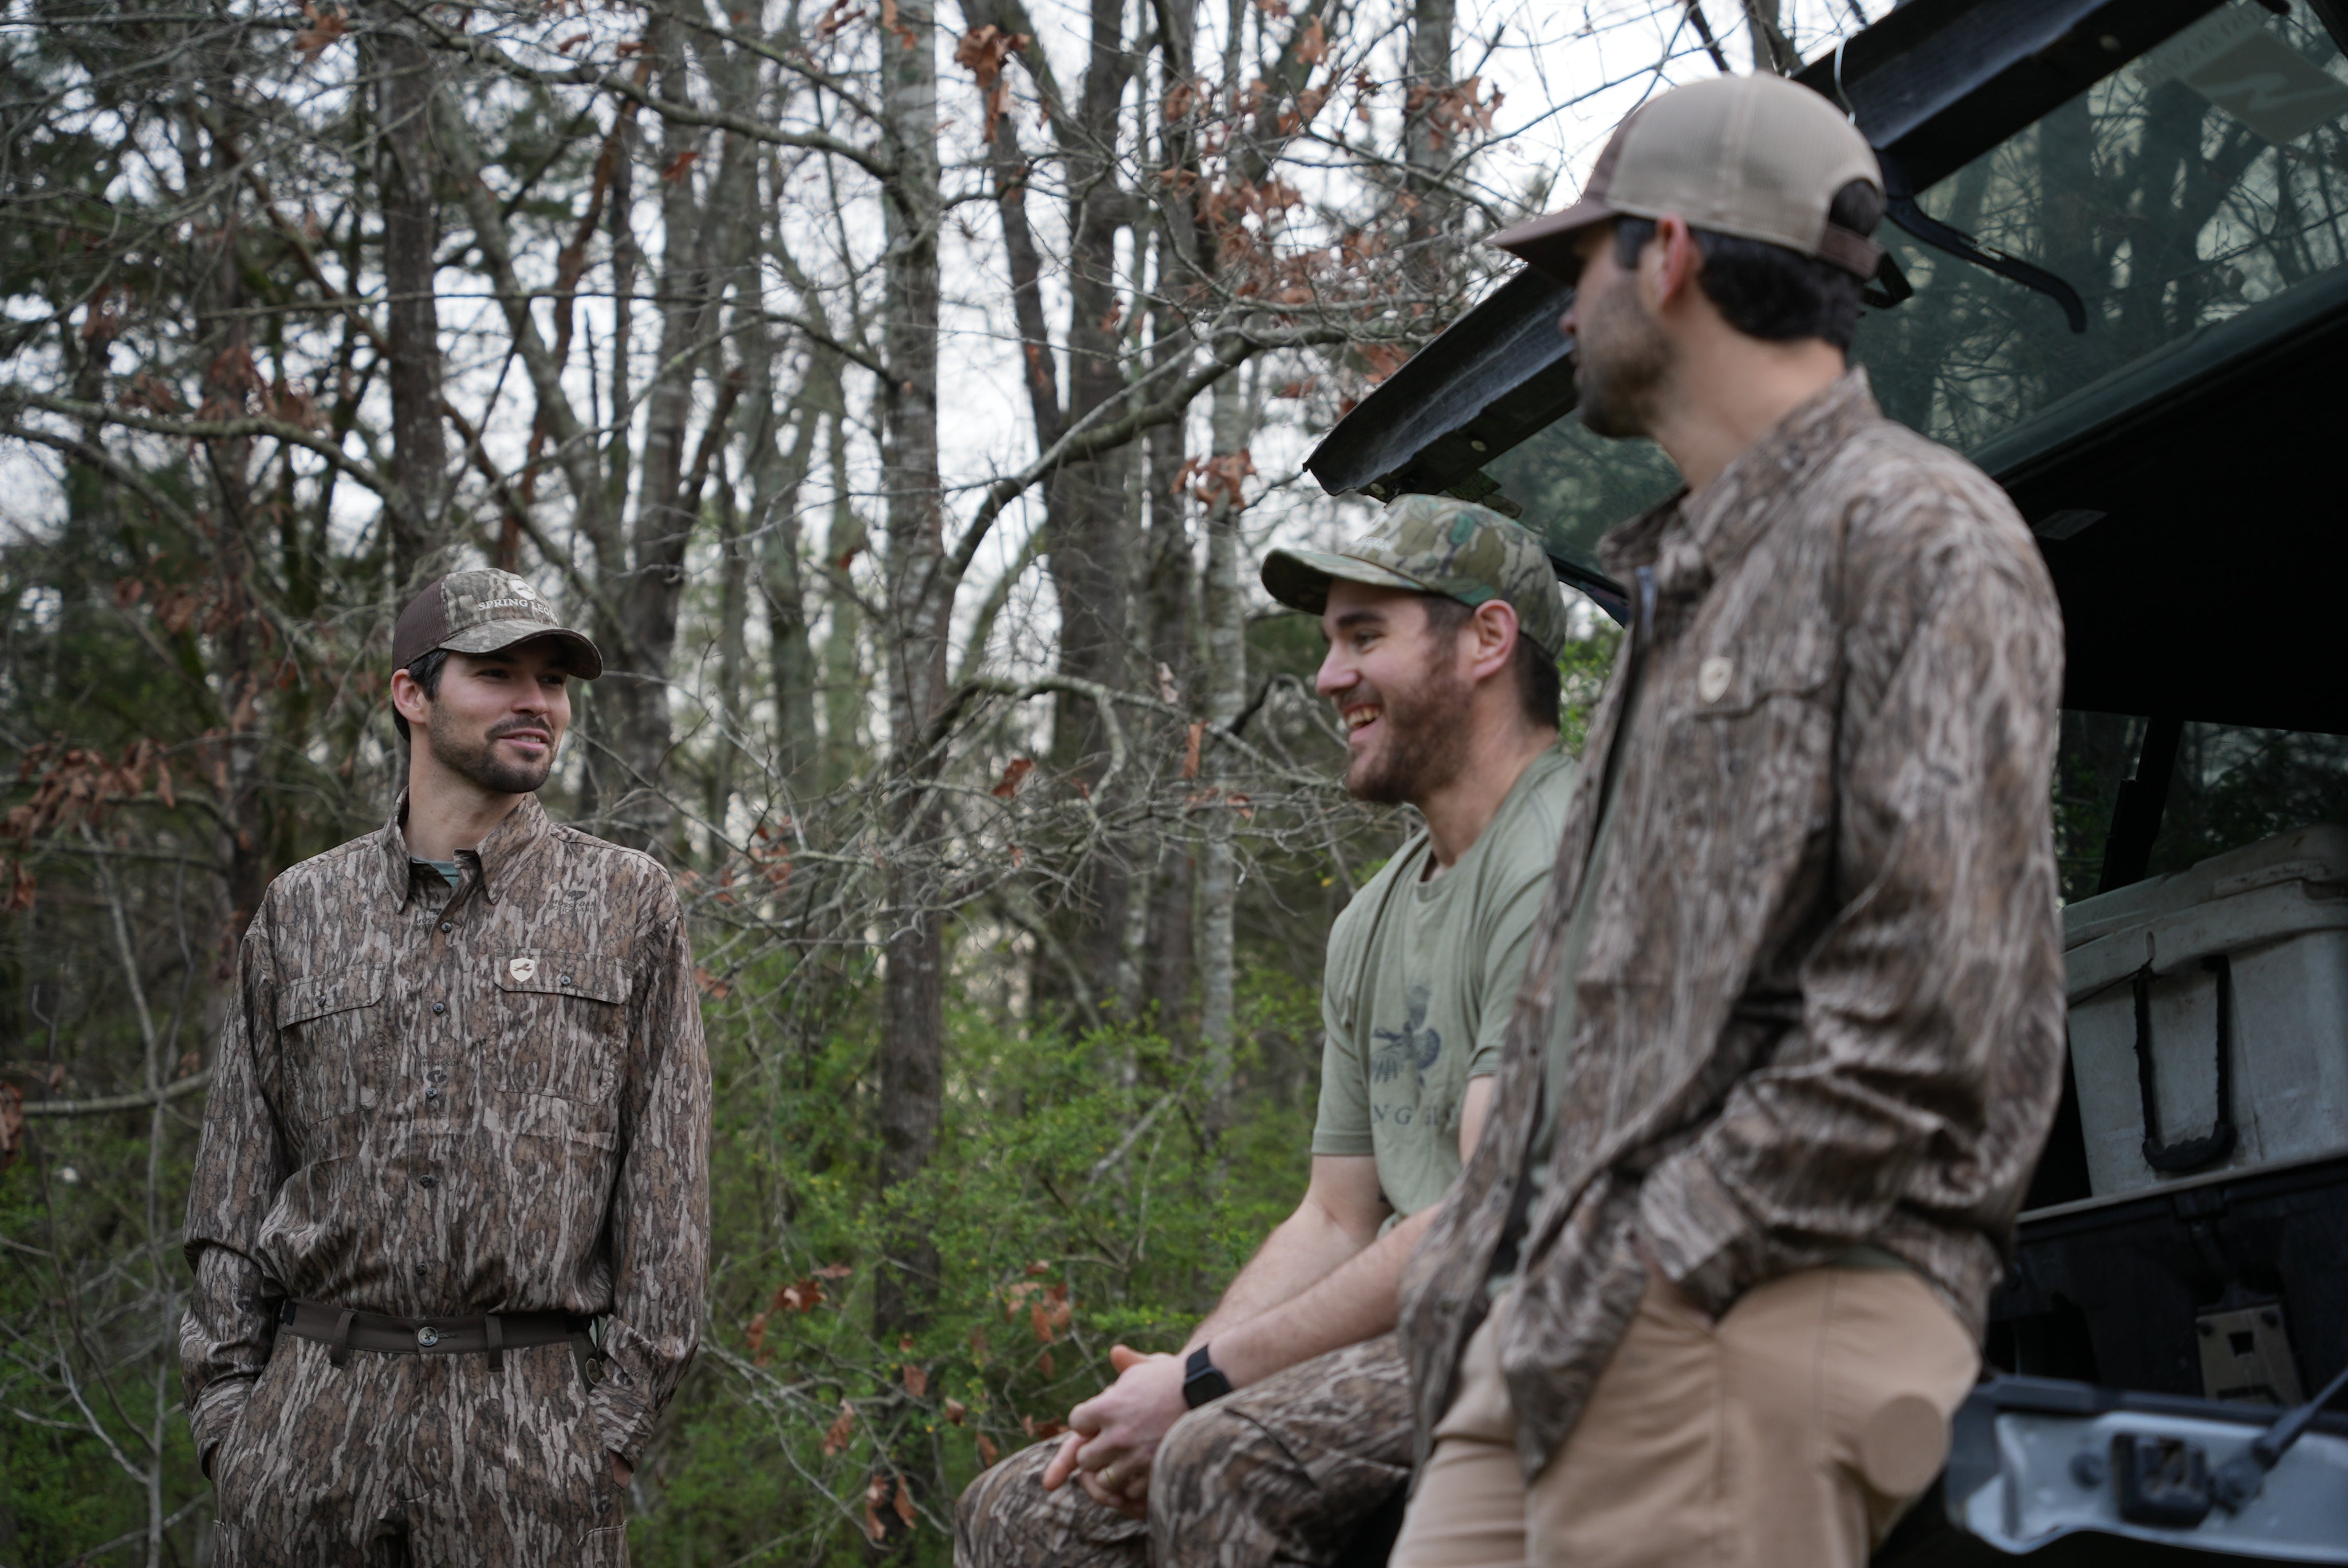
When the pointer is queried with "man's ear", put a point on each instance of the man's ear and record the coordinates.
(407, 699)
(1669, 265)
(1491, 638)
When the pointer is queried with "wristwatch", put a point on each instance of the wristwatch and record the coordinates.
(1202, 1380)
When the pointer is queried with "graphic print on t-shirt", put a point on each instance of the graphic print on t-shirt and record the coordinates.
(1414, 1046)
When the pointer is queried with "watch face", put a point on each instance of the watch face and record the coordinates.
(1202, 1380)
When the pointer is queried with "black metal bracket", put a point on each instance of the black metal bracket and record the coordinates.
(2137, 810)
(1901, 208)
(2187, 1153)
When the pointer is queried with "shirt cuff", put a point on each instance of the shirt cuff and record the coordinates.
(623, 1420)
(1697, 1233)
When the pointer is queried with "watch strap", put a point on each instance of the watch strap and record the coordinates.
(1202, 1381)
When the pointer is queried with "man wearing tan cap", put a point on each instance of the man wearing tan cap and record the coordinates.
(1790, 1034)
(1283, 1423)
(459, 1117)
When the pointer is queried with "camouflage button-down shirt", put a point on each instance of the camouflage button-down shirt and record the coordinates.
(1822, 1001)
(426, 1104)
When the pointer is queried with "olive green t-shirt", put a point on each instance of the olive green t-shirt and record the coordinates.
(1420, 981)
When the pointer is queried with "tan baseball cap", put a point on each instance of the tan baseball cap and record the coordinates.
(1433, 544)
(1759, 157)
(481, 611)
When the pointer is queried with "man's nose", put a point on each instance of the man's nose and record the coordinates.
(1335, 675)
(1565, 323)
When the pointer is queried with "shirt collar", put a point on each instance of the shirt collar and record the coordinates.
(501, 854)
(1705, 533)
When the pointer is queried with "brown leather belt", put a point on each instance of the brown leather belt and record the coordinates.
(345, 1330)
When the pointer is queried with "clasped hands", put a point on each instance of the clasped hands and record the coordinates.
(1113, 1437)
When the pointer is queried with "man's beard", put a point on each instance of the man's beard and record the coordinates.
(1621, 357)
(476, 761)
(1426, 745)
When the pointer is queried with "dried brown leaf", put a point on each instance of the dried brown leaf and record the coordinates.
(835, 1436)
(1008, 785)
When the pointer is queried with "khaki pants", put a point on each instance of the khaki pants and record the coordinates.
(1791, 1434)
(1288, 1471)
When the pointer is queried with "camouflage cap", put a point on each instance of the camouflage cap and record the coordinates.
(481, 611)
(1433, 544)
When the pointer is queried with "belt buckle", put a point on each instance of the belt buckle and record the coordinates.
(427, 1336)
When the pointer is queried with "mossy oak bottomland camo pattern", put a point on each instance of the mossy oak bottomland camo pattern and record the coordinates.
(1282, 1471)
(1433, 544)
(434, 1104)
(393, 1461)
(1822, 1003)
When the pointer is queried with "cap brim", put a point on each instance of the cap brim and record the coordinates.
(586, 661)
(1299, 578)
(1546, 243)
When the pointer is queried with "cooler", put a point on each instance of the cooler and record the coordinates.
(2209, 1014)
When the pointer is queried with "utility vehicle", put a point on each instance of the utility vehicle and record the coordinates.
(2118, 281)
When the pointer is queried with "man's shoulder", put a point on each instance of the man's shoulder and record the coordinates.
(575, 851)
(352, 861)
(1520, 843)
(1910, 489)
(1359, 917)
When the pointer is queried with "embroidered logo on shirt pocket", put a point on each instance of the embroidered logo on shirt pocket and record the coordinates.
(563, 1020)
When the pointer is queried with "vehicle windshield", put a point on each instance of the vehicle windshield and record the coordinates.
(2206, 180)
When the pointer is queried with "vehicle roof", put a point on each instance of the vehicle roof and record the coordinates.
(2206, 463)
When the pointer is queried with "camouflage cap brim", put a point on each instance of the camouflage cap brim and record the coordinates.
(585, 660)
(1299, 578)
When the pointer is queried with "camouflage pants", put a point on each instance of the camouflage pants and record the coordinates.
(417, 1461)
(1287, 1471)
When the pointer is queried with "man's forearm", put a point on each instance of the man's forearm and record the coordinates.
(1304, 1250)
(1355, 1301)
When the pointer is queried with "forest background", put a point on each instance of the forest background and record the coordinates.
(903, 395)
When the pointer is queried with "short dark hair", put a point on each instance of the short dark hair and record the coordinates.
(1539, 689)
(425, 671)
(1766, 291)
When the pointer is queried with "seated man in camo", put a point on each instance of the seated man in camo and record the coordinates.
(1284, 1423)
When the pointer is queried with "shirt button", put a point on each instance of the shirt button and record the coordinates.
(563, 980)
(432, 1094)
(428, 1180)
(447, 925)
(439, 1007)
(422, 1269)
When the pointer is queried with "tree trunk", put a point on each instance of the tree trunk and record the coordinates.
(1226, 697)
(844, 539)
(1427, 151)
(912, 1004)
(406, 164)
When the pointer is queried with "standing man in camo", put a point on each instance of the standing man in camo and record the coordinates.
(460, 1115)
(1284, 1424)
(1791, 1033)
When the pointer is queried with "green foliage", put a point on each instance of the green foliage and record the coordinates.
(1076, 1202)
(1582, 666)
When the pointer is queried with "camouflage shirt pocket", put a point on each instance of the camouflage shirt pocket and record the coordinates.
(563, 1022)
(330, 1038)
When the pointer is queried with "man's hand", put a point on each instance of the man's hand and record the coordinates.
(622, 1471)
(1113, 1437)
